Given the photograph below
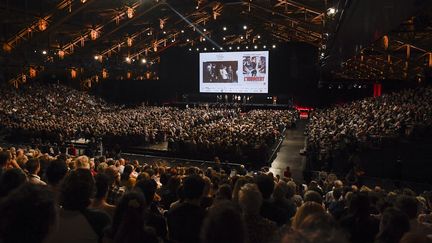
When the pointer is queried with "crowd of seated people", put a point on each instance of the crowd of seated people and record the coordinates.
(79, 199)
(60, 113)
(245, 134)
(349, 125)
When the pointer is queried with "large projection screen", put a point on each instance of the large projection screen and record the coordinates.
(234, 72)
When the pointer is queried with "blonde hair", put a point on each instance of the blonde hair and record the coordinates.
(82, 162)
(308, 208)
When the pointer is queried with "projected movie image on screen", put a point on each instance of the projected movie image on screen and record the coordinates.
(234, 72)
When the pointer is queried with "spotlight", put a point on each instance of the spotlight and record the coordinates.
(204, 29)
(96, 57)
(224, 28)
(224, 38)
(241, 37)
(247, 47)
(255, 47)
(331, 11)
(197, 7)
(197, 49)
(173, 40)
(187, 40)
(238, 47)
(164, 32)
(244, 27)
(230, 48)
(205, 49)
(259, 37)
(221, 48)
(128, 59)
(182, 31)
(273, 46)
(190, 49)
(143, 60)
(264, 46)
(44, 52)
(213, 48)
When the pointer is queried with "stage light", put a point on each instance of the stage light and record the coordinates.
(247, 47)
(331, 12)
(197, 49)
(190, 49)
(273, 46)
(164, 32)
(204, 29)
(224, 38)
(259, 37)
(255, 47)
(238, 47)
(224, 28)
(244, 27)
(205, 49)
(197, 7)
(241, 37)
(187, 40)
(44, 52)
(230, 48)
(182, 31)
(264, 46)
(96, 57)
(143, 60)
(128, 59)
(213, 48)
(173, 40)
(221, 48)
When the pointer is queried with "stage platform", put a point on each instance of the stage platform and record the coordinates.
(231, 104)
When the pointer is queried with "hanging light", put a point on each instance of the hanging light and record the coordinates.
(130, 12)
(104, 73)
(61, 54)
(32, 72)
(129, 41)
(42, 24)
(94, 34)
(7, 47)
(73, 73)
(83, 1)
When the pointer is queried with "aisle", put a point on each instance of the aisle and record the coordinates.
(289, 153)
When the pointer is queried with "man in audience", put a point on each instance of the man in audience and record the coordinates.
(33, 168)
(185, 219)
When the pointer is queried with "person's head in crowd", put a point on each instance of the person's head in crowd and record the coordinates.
(113, 176)
(174, 183)
(148, 188)
(82, 162)
(358, 204)
(33, 166)
(408, 205)
(313, 196)
(207, 186)
(250, 199)
(129, 222)
(28, 214)
(265, 184)
(102, 186)
(128, 169)
(393, 225)
(224, 223)
(10, 180)
(224, 192)
(338, 184)
(307, 209)
(4, 159)
(193, 187)
(102, 167)
(337, 193)
(55, 172)
(280, 191)
(76, 190)
(239, 183)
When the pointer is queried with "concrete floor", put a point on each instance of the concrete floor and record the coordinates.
(289, 153)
